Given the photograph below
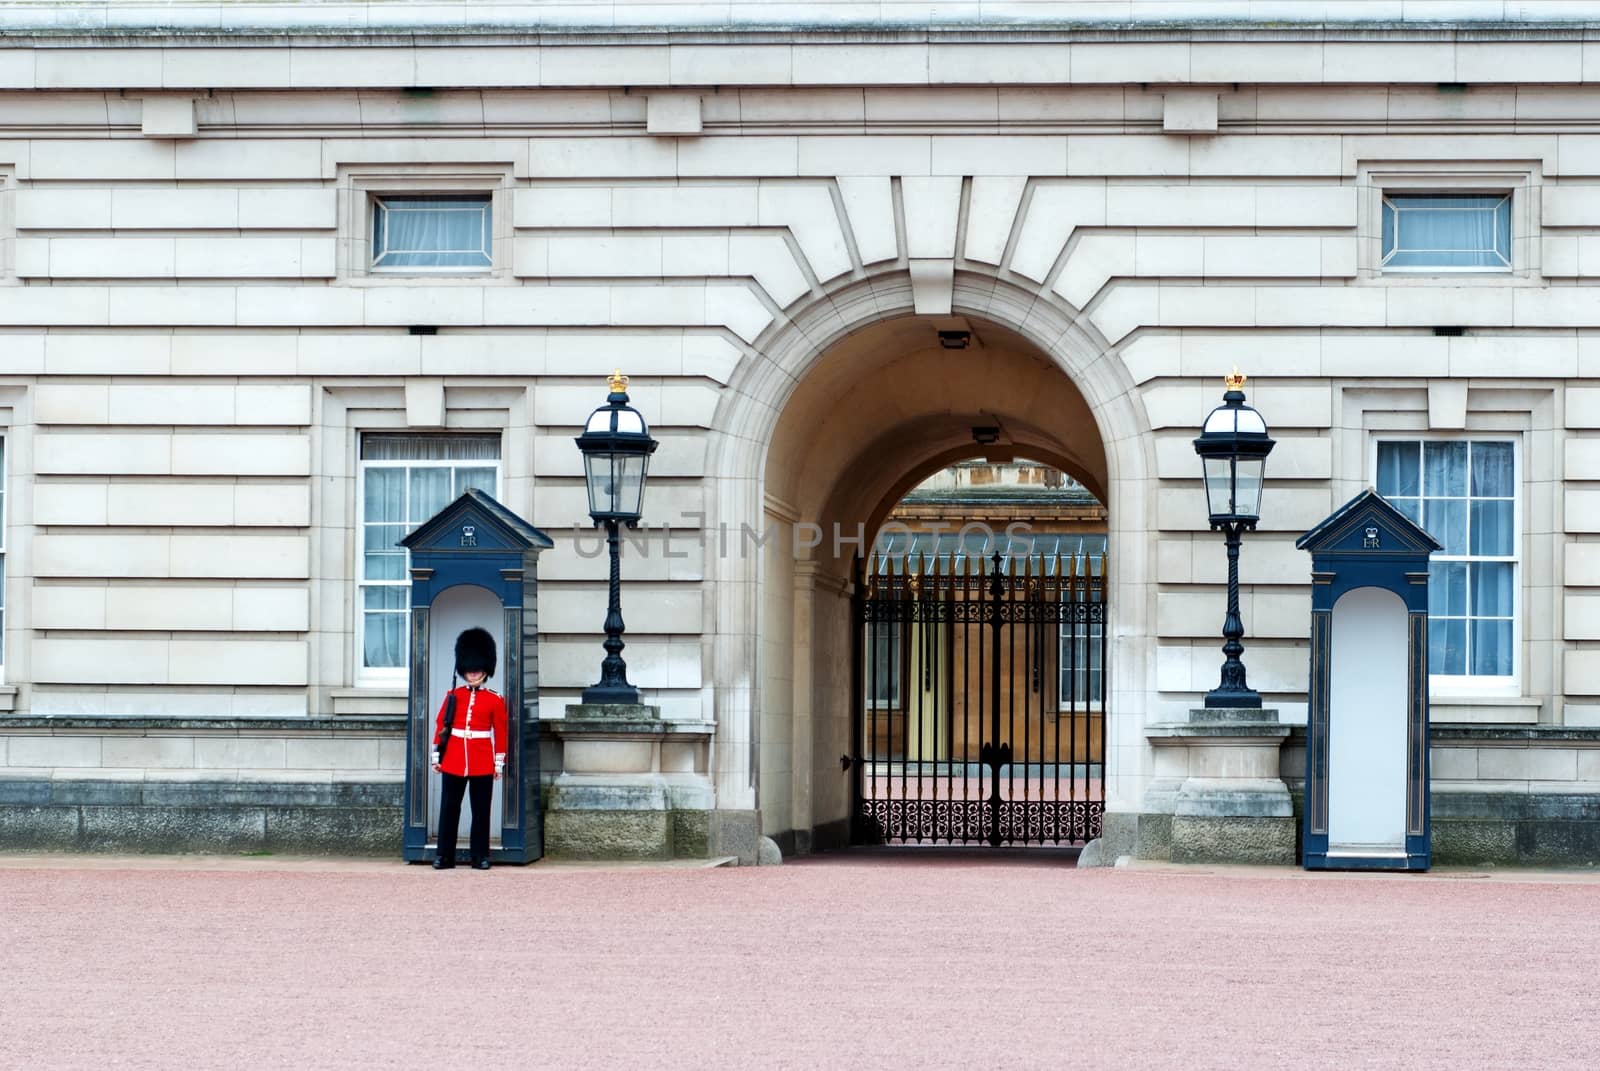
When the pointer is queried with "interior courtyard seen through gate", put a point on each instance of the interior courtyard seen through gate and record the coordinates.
(924, 312)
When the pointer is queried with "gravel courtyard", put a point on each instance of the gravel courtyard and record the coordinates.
(929, 960)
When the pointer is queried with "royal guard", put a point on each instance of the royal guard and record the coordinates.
(469, 748)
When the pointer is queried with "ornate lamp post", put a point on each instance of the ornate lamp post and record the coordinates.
(616, 448)
(1233, 448)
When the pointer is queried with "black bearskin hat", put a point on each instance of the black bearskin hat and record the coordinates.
(475, 651)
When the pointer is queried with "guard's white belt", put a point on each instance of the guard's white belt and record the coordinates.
(472, 734)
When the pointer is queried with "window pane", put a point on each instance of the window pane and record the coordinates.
(1447, 231)
(384, 565)
(1491, 528)
(381, 636)
(482, 479)
(1444, 466)
(377, 446)
(1446, 521)
(384, 597)
(431, 232)
(1411, 507)
(1491, 470)
(384, 495)
(430, 493)
(1398, 469)
(383, 537)
(1491, 589)
(1447, 646)
(1491, 648)
(1447, 589)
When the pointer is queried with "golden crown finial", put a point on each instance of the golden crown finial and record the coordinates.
(618, 382)
(1235, 381)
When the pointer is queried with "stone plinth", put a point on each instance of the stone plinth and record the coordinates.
(631, 785)
(1217, 796)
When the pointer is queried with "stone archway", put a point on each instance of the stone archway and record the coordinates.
(843, 406)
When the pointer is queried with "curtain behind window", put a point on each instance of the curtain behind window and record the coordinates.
(431, 232)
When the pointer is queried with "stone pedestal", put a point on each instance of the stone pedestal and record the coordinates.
(631, 785)
(1218, 796)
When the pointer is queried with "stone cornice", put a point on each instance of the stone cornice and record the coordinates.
(19, 34)
(200, 60)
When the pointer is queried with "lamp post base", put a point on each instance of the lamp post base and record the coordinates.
(1222, 699)
(614, 694)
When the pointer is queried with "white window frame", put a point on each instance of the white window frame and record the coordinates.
(360, 186)
(1469, 685)
(377, 207)
(1389, 202)
(391, 676)
(1519, 180)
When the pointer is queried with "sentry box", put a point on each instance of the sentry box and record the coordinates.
(1366, 804)
(474, 564)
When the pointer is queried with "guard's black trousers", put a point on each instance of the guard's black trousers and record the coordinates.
(450, 815)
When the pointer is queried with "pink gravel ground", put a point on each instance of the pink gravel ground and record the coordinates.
(921, 960)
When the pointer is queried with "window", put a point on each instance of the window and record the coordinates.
(883, 665)
(434, 233)
(1464, 493)
(1081, 662)
(1447, 232)
(406, 479)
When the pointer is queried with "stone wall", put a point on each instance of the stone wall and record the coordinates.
(193, 339)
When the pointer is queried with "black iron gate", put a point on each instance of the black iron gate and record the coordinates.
(979, 689)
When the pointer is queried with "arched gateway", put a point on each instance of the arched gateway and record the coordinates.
(833, 416)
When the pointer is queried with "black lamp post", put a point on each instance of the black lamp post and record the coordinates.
(616, 447)
(1233, 448)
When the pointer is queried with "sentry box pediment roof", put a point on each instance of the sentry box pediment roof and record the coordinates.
(492, 527)
(1345, 531)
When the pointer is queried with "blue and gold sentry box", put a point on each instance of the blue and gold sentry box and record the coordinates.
(474, 564)
(1366, 804)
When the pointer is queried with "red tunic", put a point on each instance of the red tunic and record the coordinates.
(478, 739)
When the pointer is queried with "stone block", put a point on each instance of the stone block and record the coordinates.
(841, 155)
(809, 212)
(1189, 111)
(63, 210)
(869, 203)
(54, 751)
(172, 829)
(121, 159)
(620, 157)
(288, 209)
(244, 555)
(735, 833)
(232, 753)
(254, 160)
(98, 555)
(25, 828)
(1473, 841)
(331, 754)
(1154, 837)
(133, 752)
(1558, 843)
(991, 213)
(673, 113)
(249, 258)
(69, 607)
(1235, 839)
(335, 830)
(691, 833)
(610, 834)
